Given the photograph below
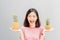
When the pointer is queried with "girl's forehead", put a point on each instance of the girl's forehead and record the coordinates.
(32, 13)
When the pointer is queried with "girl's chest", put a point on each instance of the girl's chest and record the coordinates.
(32, 33)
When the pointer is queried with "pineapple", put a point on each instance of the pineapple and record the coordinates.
(15, 24)
(47, 27)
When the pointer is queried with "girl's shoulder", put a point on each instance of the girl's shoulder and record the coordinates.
(23, 28)
(41, 28)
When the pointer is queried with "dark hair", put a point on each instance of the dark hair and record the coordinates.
(26, 23)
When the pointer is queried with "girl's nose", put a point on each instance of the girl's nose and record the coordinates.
(32, 17)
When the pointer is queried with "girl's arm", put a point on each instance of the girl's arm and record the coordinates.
(21, 35)
(42, 36)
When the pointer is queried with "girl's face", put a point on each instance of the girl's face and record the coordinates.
(32, 18)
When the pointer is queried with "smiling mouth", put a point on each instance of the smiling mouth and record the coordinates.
(31, 21)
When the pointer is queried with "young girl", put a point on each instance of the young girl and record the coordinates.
(32, 29)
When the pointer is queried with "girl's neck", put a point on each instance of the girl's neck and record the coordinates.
(32, 26)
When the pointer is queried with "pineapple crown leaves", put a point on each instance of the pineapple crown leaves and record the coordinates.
(15, 18)
(47, 21)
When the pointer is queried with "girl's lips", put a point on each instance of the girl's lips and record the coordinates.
(31, 21)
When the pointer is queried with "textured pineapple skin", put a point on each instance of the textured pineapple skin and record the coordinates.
(15, 25)
(47, 27)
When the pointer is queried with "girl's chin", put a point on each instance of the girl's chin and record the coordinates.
(32, 24)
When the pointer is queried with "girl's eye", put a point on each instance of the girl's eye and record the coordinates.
(29, 16)
(33, 16)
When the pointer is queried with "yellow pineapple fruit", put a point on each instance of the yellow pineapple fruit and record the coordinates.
(15, 24)
(47, 27)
